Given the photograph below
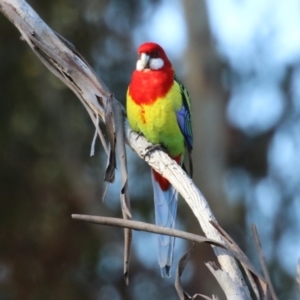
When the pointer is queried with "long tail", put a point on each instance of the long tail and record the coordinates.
(165, 200)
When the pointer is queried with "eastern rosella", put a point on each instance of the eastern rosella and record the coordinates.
(158, 106)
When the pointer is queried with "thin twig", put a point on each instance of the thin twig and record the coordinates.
(137, 225)
(263, 261)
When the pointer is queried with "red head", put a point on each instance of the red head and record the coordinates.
(152, 57)
(153, 76)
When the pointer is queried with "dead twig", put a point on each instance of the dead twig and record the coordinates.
(263, 261)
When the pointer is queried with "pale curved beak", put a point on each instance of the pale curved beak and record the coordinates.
(143, 62)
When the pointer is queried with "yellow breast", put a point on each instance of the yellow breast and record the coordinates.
(157, 121)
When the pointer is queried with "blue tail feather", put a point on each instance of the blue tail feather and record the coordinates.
(165, 215)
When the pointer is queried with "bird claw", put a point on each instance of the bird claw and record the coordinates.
(151, 148)
(138, 135)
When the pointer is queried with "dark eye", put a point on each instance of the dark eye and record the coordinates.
(155, 53)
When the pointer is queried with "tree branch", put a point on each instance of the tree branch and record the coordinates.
(263, 261)
(137, 225)
(230, 288)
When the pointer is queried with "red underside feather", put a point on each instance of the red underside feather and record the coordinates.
(163, 182)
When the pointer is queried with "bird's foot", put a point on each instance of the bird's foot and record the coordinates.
(151, 148)
(138, 135)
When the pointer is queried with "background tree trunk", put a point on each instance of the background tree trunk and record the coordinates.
(208, 100)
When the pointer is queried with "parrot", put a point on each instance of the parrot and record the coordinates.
(158, 107)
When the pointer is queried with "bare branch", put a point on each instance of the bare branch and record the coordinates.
(227, 284)
(263, 261)
(124, 192)
(137, 225)
(259, 284)
(181, 266)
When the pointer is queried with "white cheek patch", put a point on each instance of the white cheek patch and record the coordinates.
(156, 63)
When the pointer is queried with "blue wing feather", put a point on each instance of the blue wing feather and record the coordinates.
(184, 119)
(184, 122)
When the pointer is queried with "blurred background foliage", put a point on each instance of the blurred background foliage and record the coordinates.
(247, 146)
